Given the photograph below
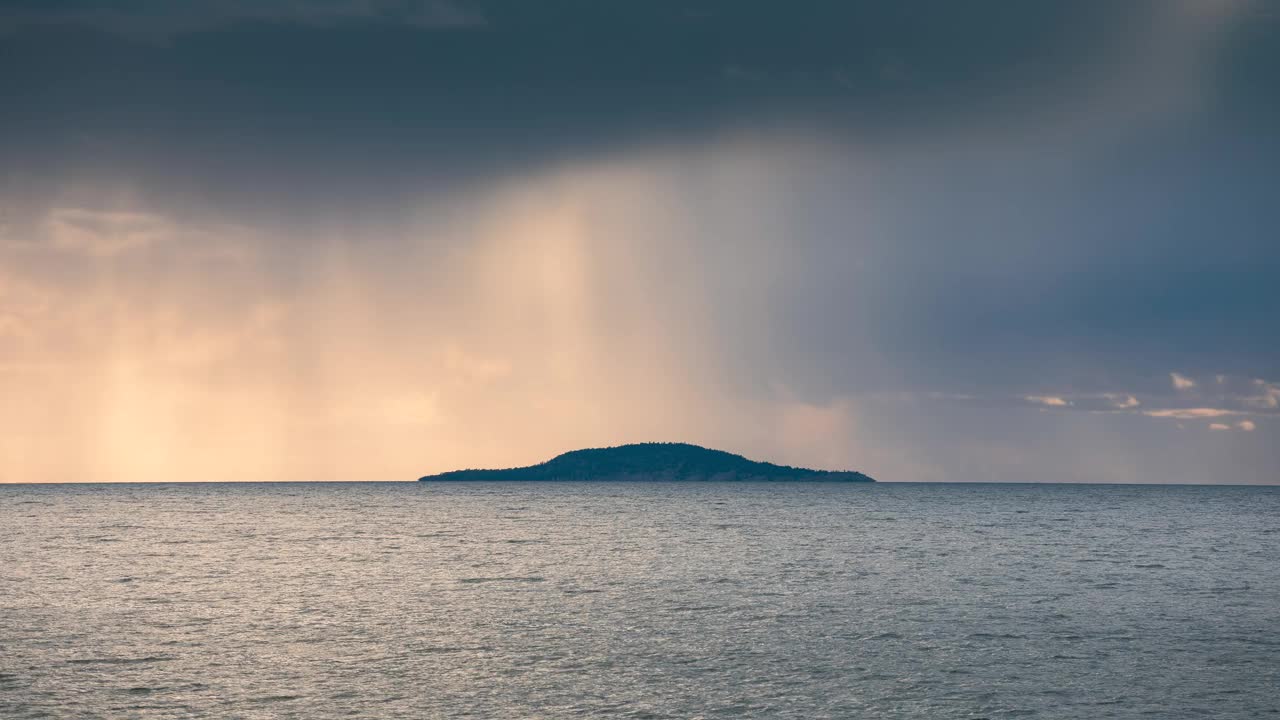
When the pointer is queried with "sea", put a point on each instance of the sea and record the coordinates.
(639, 600)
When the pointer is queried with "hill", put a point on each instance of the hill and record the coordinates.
(654, 461)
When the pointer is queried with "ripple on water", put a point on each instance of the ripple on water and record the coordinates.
(120, 660)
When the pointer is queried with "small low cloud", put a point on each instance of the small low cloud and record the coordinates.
(1190, 413)
(102, 233)
(1266, 395)
(1224, 400)
(1122, 401)
(1243, 425)
(1047, 400)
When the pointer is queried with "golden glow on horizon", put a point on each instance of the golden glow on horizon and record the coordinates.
(558, 311)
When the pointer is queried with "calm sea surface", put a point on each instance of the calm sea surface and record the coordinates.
(388, 600)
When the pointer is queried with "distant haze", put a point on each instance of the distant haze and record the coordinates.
(332, 240)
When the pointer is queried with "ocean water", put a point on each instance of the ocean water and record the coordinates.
(633, 600)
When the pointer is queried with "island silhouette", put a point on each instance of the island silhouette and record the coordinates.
(662, 461)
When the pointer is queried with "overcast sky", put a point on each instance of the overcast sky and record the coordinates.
(372, 239)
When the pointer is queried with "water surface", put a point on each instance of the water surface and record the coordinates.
(637, 600)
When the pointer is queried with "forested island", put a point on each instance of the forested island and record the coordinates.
(653, 462)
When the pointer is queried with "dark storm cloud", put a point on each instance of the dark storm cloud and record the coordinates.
(373, 99)
(373, 77)
(321, 100)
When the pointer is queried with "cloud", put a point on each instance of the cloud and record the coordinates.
(162, 20)
(1121, 401)
(99, 234)
(1190, 413)
(1049, 400)
(1181, 382)
(1246, 425)
(1232, 396)
(102, 233)
(1267, 395)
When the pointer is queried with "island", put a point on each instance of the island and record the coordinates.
(653, 462)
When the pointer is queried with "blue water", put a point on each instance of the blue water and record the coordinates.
(637, 600)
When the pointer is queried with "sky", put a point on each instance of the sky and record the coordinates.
(375, 239)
